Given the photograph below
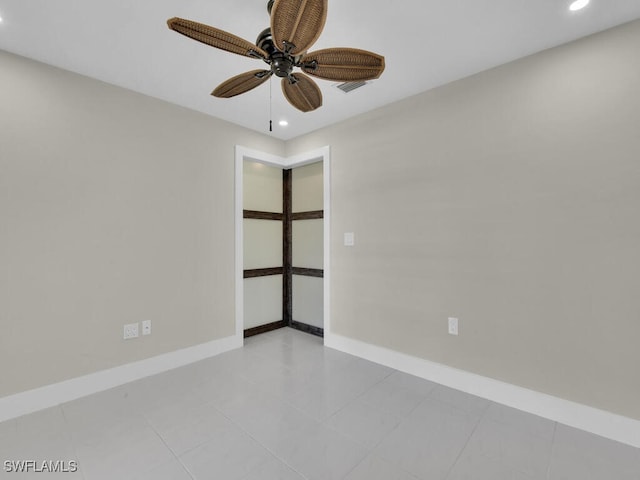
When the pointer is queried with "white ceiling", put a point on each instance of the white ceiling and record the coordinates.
(426, 43)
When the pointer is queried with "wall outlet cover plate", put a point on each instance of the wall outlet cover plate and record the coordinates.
(130, 331)
(453, 326)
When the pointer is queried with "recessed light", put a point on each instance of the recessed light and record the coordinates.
(578, 5)
(283, 123)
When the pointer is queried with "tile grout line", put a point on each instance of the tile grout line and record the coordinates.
(73, 443)
(241, 428)
(360, 395)
(553, 442)
(371, 450)
(175, 456)
(484, 413)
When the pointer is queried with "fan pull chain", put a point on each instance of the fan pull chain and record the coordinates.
(270, 106)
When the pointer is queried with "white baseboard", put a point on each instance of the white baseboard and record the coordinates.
(593, 420)
(51, 395)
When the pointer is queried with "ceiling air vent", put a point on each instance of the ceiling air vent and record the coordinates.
(347, 87)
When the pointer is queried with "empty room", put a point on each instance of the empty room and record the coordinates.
(320, 240)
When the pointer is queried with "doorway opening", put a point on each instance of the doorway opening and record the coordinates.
(282, 242)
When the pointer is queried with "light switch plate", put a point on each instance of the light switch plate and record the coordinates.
(349, 239)
(453, 326)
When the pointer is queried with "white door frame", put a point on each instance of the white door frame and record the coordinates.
(320, 155)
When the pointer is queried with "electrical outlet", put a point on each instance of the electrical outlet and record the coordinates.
(130, 331)
(146, 327)
(453, 326)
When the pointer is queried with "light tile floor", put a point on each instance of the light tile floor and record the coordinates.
(287, 408)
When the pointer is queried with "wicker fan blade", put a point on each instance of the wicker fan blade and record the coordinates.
(215, 37)
(304, 94)
(241, 83)
(297, 24)
(343, 64)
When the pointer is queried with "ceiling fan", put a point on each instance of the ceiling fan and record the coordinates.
(295, 26)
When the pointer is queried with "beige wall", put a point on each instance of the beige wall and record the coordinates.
(114, 208)
(509, 199)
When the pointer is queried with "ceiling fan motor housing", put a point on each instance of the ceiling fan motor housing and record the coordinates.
(265, 41)
(281, 63)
